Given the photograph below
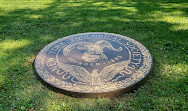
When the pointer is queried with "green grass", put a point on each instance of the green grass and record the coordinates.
(26, 26)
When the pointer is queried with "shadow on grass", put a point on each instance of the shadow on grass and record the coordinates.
(143, 21)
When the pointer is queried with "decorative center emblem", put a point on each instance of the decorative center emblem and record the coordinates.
(93, 51)
(93, 62)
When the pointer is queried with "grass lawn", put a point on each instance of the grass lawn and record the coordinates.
(26, 26)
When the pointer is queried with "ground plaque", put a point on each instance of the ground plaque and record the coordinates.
(94, 64)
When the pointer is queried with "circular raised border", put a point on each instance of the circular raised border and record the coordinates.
(109, 91)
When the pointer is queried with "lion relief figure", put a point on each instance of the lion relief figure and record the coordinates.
(93, 51)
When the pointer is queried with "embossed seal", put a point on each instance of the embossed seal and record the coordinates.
(94, 64)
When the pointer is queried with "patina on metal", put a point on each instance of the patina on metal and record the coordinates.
(94, 64)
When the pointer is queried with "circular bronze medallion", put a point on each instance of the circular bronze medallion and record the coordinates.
(94, 63)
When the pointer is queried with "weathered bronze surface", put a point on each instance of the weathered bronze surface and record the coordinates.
(94, 63)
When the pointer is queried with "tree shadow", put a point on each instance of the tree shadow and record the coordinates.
(134, 19)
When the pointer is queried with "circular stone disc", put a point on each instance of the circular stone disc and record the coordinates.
(93, 63)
